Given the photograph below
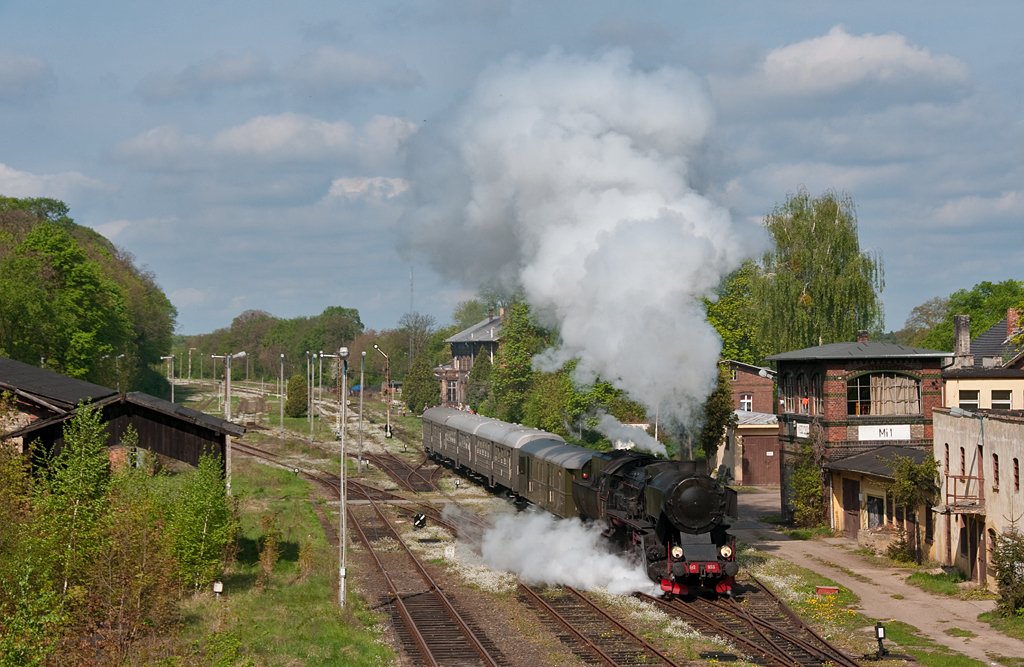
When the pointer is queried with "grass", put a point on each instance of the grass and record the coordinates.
(807, 533)
(938, 584)
(959, 632)
(250, 479)
(1009, 625)
(289, 617)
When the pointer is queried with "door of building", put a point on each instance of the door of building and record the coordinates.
(972, 548)
(760, 460)
(851, 508)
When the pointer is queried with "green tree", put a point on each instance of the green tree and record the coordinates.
(512, 373)
(986, 303)
(736, 317)
(922, 321)
(1006, 564)
(807, 481)
(478, 384)
(468, 313)
(815, 284)
(718, 414)
(298, 398)
(421, 389)
(203, 523)
(914, 485)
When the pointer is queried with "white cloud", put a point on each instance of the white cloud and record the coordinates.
(189, 297)
(111, 229)
(21, 76)
(377, 187)
(974, 210)
(14, 183)
(286, 137)
(329, 70)
(838, 62)
(201, 80)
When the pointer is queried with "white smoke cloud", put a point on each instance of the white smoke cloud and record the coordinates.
(543, 549)
(569, 176)
(617, 431)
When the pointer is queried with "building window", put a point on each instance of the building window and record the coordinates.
(453, 391)
(747, 402)
(883, 394)
(817, 390)
(995, 470)
(787, 393)
(929, 525)
(732, 373)
(968, 399)
(1016, 476)
(875, 508)
(1000, 399)
(963, 538)
(803, 395)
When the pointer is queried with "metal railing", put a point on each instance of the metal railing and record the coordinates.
(969, 496)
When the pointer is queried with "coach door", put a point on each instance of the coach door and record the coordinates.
(524, 475)
(851, 508)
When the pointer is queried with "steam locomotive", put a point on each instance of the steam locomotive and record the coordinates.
(663, 514)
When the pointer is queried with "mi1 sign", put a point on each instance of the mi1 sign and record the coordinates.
(884, 432)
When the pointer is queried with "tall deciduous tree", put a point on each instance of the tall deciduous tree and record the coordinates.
(914, 485)
(986, 303)
(421, 389)
(815, 284)
(736, 317)
(298, 396)
(512, 374)
(203, 524)
(922, 320)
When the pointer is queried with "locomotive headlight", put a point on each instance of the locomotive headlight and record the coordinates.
(677, 552)
(726, 551)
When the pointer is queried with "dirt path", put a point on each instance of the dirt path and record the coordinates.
(931, 614)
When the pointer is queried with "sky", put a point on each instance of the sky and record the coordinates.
(292, 156)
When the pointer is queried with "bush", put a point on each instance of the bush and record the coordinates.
(298, 398)
(901, 550)
(1008, 563)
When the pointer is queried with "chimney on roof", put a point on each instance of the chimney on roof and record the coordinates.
(962, 357)
(1012, 321)
(862, 336)
(501, 314)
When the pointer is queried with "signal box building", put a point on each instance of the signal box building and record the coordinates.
(854, 398)
(481, 338)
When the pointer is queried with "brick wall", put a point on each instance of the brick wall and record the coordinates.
(760, 388)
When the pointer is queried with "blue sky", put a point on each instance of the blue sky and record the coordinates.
(281, 156)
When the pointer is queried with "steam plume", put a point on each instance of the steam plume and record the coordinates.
(543, 549)
(615, 430)
(570, 177)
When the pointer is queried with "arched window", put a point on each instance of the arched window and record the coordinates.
(803, 395)
(786, 387)
(883, 394)
(817, 392)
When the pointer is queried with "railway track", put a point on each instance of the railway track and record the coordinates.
(763, 627)
(591, 633)
(426, 622)
(408, 477)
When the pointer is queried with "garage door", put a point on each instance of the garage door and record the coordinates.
(760, 460)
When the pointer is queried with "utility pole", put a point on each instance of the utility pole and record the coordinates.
(319, 410)
(227, 412)
(190, 362)
(309, 411)
(117, 371)
(343, 353)
(359, 463)
(282, 394)
(170, 375)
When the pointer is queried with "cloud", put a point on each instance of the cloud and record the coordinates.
(324, 72)
(838, 63)
(975, 210)
(14, 183)
(377, 187)
(328, 70)
(280, 138)
(21, 76)
(111, 229)
(201, 80)
(189, 297)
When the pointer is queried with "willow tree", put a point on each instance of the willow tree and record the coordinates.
(815, 285)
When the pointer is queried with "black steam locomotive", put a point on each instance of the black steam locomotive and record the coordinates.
(667, 516)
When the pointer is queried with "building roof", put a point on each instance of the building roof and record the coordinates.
(747, 418)
(488, 329)
(751, 368)
(865, 350)
(994, 343)
(58, 390)
(980, 372)
(878, 462)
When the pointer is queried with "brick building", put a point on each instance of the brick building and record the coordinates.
(481, 338)
(862, 395)
(752, 387)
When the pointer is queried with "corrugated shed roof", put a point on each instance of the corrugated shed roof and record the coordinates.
(485, 330)
(879, 461)
(61, 390)
(745, 418)
(865, 350)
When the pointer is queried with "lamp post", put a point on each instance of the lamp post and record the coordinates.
(117, 372)
(282, 394)
(319, 410)
(190, 362)
(170, 376)
(362, 363)
(227, 411)
(387, 392)
(337, 421)
(310, 396)
(343, 353)
(309, 411)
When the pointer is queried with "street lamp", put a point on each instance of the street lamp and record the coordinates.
(117, 372)
(190, 361)
(319, 411)
(343, 353)
(387, 392)
(227, 411)
(311, 397)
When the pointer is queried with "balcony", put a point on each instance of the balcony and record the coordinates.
(964, 495)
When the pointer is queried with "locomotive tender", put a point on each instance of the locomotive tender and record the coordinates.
(664, 514)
